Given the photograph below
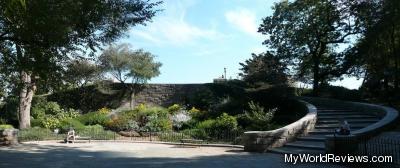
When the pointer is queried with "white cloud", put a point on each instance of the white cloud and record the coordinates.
(244, 20)
(172, 28)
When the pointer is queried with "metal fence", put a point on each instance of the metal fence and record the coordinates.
(374, 147)
(381, 146)
(206, 136)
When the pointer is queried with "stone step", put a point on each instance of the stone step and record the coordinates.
(352, 127)
(294, 150)
(347, 117)
(347, 113)
(322, 132)
(320, 138)
(334, 110)
(307, 144)
(350, 121)
(337, 124)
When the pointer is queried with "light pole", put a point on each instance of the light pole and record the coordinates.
(225, 73)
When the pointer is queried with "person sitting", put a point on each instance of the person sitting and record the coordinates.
(70, 136)
(344, 128)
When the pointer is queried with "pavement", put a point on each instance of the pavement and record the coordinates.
(118, 154)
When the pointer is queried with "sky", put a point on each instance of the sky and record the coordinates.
(196, 39)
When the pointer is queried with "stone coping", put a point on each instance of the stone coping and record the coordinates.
(260, 141)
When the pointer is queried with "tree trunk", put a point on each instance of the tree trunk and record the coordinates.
(316, 77)
(25, 99)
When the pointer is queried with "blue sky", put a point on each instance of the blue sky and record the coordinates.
(196, 39)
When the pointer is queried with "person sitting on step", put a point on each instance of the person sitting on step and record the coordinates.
(344, 128)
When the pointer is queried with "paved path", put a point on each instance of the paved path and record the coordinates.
(112, 154)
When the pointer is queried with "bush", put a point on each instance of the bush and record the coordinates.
(94, 118)
(66, 124)
(8, 110)
(104, 110)
(205, 125)
(158, 123)
(174, 108)
(259, 119)
(96, 132)
(37, 134)
(6, 126)
(225, 122)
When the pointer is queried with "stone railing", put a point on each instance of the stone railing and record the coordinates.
(261, 141)
(8, 136)
(387, 115)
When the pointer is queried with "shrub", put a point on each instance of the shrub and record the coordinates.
(104, 110)
(258, 118)
(5, 126)
(96, 132)
(180, 118)
(94, 118)
(158, 123)
(3, 120)
(204, 125)
(66, 124)
(174, 108)
(225, 122)
(36, 134)
(50, 122)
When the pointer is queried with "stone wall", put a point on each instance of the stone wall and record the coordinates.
(261, 141)
(8, 137)
(164, 94)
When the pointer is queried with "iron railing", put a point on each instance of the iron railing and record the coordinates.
(207, 136)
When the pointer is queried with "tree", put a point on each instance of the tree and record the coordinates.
(81, 72)
(306, 33)
(123, 63)
(35, 36)
(264, 67)
(379, 48)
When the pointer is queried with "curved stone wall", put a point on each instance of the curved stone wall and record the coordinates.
(261, 141)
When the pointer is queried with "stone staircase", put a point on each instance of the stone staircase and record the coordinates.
(327, 122)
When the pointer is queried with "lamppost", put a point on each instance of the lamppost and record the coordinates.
(225, 72)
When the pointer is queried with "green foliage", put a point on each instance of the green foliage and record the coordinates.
(8, 110)
(30, 50)
(94, 118)
(225, 122)
(174, 108)
(265, 68)
(158, 123)
(66, 124)
(142, 119)
(307, 34)
(36, 134)
(50, 115)
(259, 119)
(339, 92)
(81, 72)
(97, 132)
(172, 136)
(205, 125)
(5, 126)
(123, 63)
